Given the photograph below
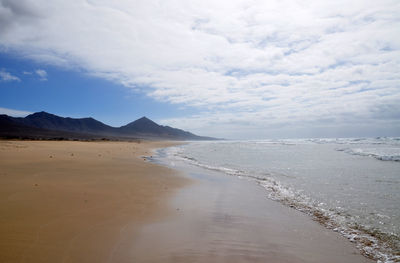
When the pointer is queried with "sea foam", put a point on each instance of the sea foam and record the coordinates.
(255, 161)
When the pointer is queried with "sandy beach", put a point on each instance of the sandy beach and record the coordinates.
(78, 201)
(103, 202)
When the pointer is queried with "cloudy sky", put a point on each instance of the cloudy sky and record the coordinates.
(233, 69)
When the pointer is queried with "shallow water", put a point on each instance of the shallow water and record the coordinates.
(221, 218)
(349, 185)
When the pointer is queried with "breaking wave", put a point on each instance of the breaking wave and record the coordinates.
(383, 154)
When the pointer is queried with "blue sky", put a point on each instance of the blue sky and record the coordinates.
(74, 93)
(234, 69)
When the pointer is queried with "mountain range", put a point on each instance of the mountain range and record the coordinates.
(43, 125)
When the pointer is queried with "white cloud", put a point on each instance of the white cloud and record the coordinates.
(6, 76)
(14, 113)
(268, 63)
(42, 74)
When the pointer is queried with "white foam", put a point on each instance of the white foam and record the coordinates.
(382, 153)
(335, 219)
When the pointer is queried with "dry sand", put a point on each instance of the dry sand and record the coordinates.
(78, 201)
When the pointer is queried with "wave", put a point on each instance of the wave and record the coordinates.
(383, 247)
(373, 141)
(382, 154)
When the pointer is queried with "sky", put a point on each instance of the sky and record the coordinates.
(232, 69)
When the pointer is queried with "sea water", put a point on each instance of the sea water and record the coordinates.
(351, 186)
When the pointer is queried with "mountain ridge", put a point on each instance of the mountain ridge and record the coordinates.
(49, 124)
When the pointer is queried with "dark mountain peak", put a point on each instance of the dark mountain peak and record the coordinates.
(40, 114)
(144, 121)
(50, 121)
(144, 118)
(141, 125)
(148, 128)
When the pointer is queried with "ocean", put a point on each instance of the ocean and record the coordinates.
(351, 185)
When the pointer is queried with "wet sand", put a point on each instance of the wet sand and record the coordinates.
(78, 201)
(222, 218)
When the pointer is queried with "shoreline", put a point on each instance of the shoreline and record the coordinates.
(287, 189)
(227, 219)
(104, 202)
(68, 201)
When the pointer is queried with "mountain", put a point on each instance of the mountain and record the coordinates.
(145, 126)
(11, 129)
(142, 125)
(45, 125)
(49, 121)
